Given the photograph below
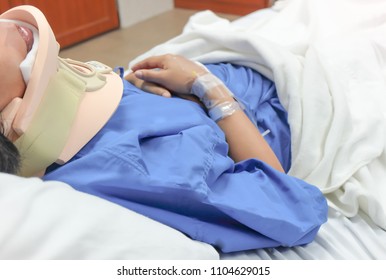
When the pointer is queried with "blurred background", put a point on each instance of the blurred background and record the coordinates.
(116, 31)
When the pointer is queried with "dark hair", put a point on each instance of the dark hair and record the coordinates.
(9, 156)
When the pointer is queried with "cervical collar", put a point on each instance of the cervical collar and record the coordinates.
(65, 104)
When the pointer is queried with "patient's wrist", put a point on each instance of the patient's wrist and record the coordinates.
(224, 110)
(211, 90)
(215, 96)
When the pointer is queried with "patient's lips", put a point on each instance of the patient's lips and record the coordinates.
(27, 36)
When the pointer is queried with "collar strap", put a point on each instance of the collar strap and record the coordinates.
(43, 141)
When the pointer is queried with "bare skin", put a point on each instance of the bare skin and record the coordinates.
(14, 46)
(176, 74)
(173, 75)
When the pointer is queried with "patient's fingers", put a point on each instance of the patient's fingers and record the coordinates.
(155, 89)
(153, 75)
(147, 86)
(174, 72)
(151, 63)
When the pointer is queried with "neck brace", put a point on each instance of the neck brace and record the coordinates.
(65, 104)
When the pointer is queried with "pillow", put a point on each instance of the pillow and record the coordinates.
(50, 220)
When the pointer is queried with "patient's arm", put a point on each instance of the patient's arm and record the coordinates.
(245, 140)
(178, 74)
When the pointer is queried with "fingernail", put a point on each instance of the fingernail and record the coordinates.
(139, 74)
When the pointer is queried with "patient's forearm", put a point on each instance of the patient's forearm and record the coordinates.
(245, 141)
(178, 74)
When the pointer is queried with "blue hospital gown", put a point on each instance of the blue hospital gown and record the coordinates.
(166, 159)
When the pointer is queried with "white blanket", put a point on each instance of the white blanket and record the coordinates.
(327, 59)
(50, 220)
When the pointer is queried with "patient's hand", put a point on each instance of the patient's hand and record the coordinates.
(147, 86)
(173, 72)
(157, 89)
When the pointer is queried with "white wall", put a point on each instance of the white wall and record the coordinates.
(134, 11)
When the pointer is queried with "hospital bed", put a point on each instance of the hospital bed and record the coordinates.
(329, 68)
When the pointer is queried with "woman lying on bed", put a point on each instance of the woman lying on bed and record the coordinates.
(211, 164)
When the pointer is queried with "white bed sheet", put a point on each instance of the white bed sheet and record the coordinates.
(329, 67)
(52, 221)
(328, 62)
(341, 238)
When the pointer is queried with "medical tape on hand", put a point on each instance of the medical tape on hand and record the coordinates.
(210, 89)
(224, 110)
